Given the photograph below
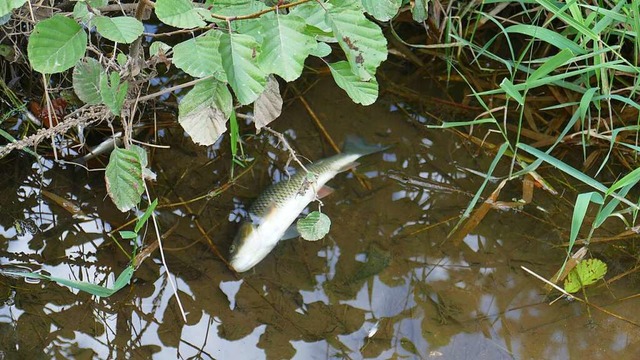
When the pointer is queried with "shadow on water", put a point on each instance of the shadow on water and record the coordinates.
(385, 283)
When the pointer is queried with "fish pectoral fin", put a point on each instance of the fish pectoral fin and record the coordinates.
(291, 233)
(349, 166)
(324, 191)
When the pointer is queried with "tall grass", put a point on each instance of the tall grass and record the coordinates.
(585, 55)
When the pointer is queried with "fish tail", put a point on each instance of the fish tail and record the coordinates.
(356, 145)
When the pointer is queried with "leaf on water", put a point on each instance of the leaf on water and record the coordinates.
(56, 44)
(286, 46)
(86, 80)
(584, 274)
(204, 111)
(361, 92)
(122, 29)
(200, 57)
(314, 226)
(360, 39)
(124, 178)
(239, 58)
(126, 234)
(7, 6)
(179, 13)
(268, 106)
(382, 10)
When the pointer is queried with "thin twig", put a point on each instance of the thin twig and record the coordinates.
(164, 261)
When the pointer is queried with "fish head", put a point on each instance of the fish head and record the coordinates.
(247, 248)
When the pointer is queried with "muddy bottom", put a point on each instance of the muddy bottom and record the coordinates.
(385, 283)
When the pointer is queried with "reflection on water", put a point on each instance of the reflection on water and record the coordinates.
(385, 283)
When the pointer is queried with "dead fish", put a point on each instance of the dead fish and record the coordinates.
(272, 214)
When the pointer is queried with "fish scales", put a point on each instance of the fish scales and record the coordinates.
(281, 192)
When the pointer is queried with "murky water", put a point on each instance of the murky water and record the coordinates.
(385, 283)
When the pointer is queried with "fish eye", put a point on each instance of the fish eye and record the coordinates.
(232, 248)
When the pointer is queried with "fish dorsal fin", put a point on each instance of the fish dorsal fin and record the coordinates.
(324, 191)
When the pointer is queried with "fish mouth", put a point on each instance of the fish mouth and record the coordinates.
(242, 266)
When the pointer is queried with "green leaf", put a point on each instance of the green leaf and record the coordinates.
(584, 274)
(508, 88)
(93, 289)
(546, 35)
(204, 111)
(113, 92)
(122, 29)
(314, 226)
(179, 13)
(551, 64)
(268, 105)
(420, 10)
(143, 219)
(314, 15)
(200, 57)
(382, 10)
(157, 46)
(239, 58)
(360, 39)
(81, 13)
(124, 179)
(56, 44)
(322, 49)
(361, 92)
(7, 6)
(285, 46)
(127, 235)
(86, 80)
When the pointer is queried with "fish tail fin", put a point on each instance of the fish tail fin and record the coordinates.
(356, 145)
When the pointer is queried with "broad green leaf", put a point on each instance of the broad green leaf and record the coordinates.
(122, 29)
(98, 3)
(142, 155)
(285, 46)
(113, 92)
(239, 58)
(204, 111)
(200, 57)
(580, 211)
(361, 92)
(147, 214)
(127, 235)
(584, 274)
(123, 177)
(7, 6)
(93, 289)
(314, 226)
(56, 44)
(157, 46)
(179, 13)
(419, 10)
(268, 105)
(314, 15)
(382, 10)
(81, 13)
(360, 39)
(322, 49)
(86, 80)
